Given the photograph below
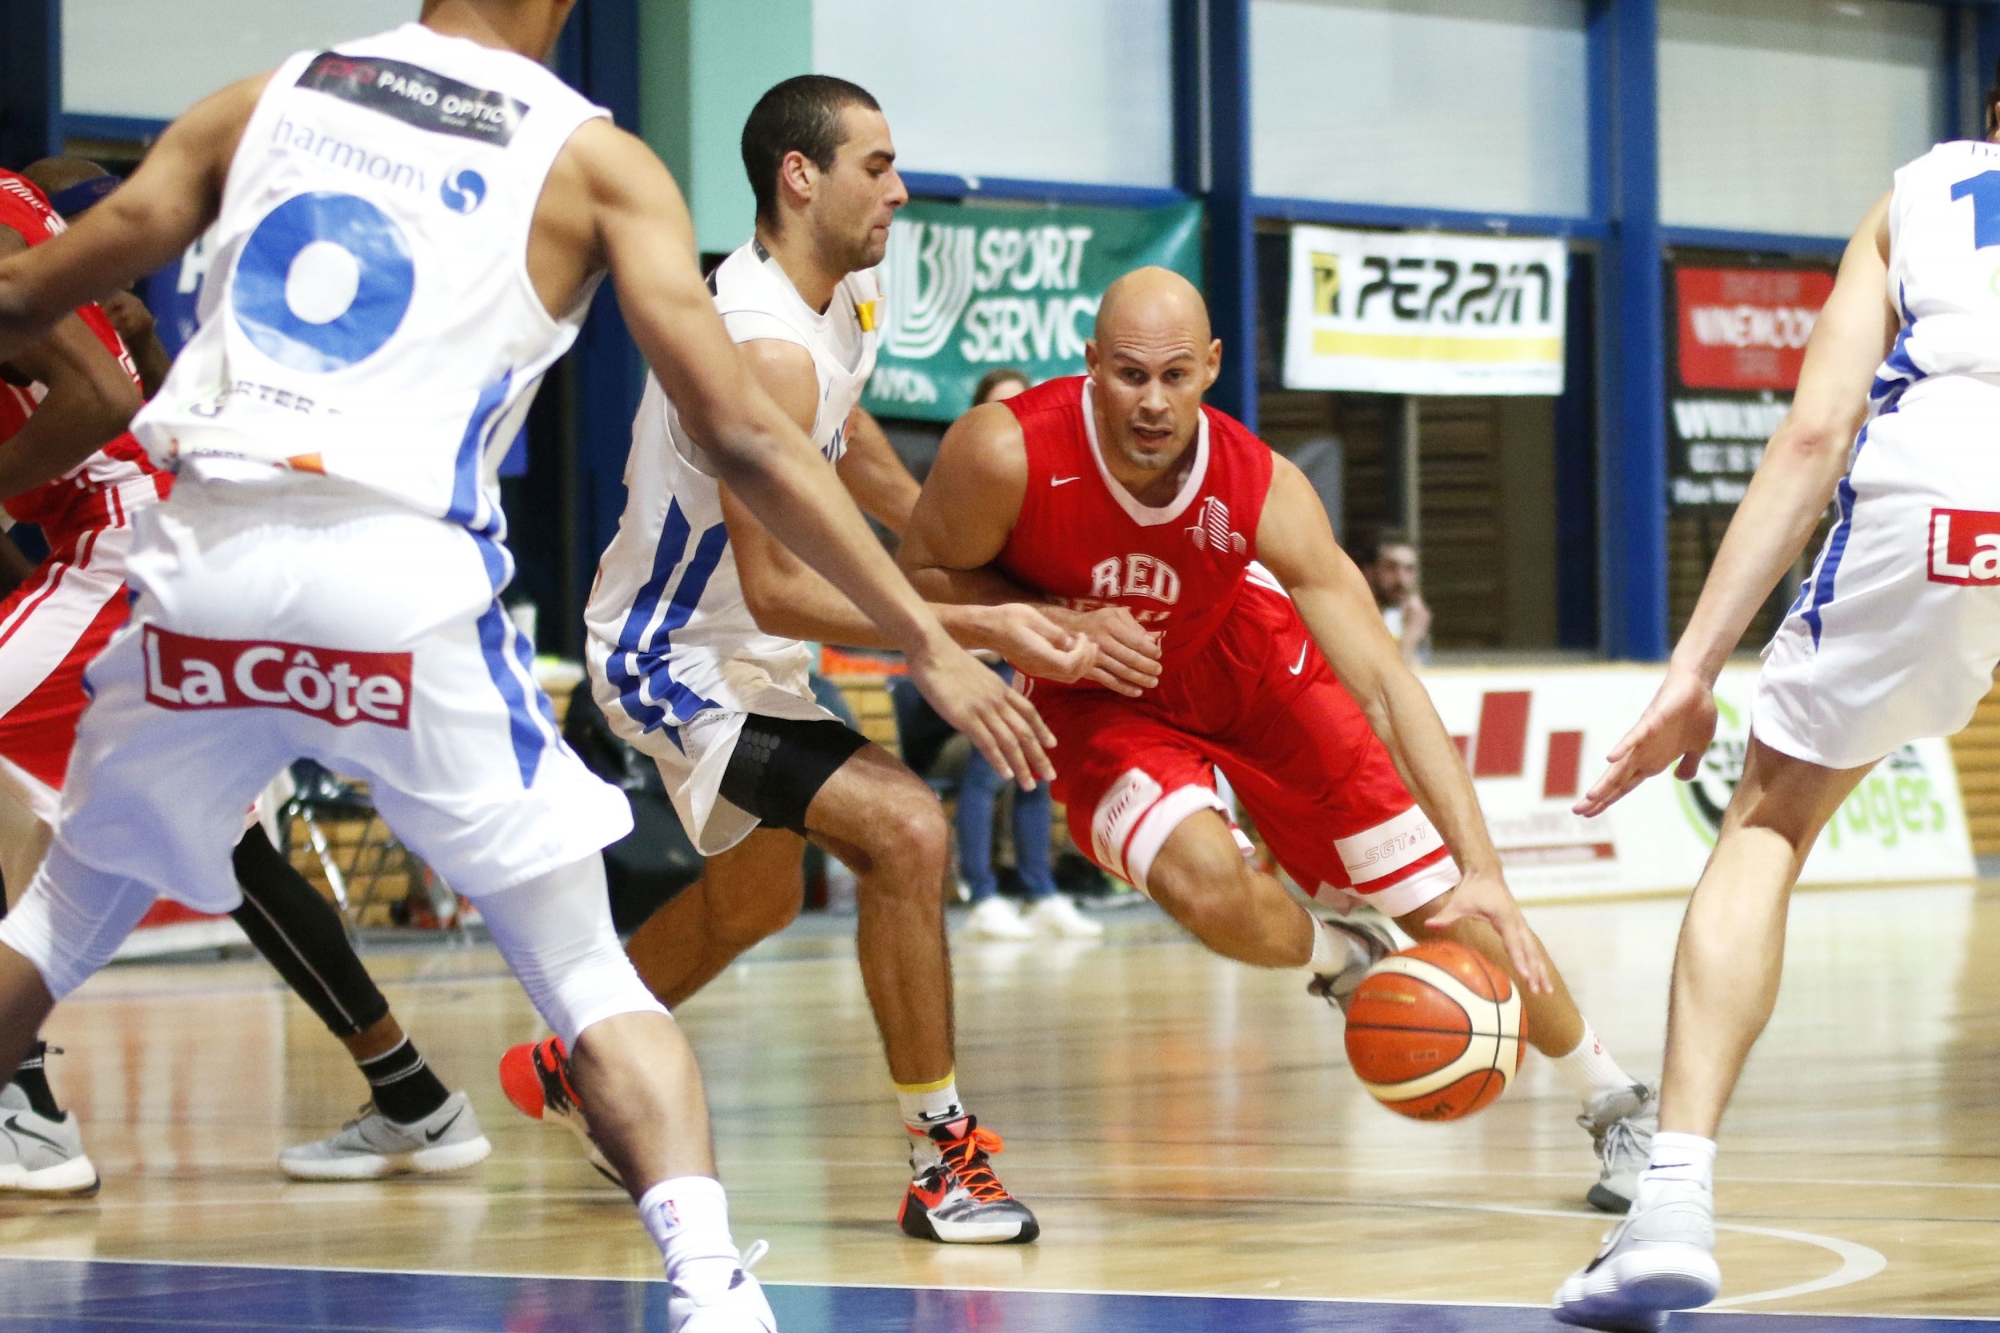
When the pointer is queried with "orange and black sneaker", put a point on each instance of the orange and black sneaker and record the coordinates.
(955, 1198)
(536, 1079)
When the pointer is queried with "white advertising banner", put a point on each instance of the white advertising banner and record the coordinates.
(1534, 739)
(1425, 312)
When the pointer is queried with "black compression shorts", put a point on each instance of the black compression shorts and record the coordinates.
(780, 764)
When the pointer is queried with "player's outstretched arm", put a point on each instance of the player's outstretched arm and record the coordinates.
(967, 510)
(89, 399)
(1802, 464)
(1296, 543)
(786, 597)
(637, 225)
(139, 228)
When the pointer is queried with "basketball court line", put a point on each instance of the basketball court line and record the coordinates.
(163, 1294)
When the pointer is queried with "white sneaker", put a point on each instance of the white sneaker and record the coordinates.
(39, 1155)
(996, 919)
(1660, 1258)
(372, 1145)
(741, 1308)
(1056, 915)
(1622, 1122)
(1375, 944)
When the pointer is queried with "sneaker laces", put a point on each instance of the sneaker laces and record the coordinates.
(1619, 1138)
(966, 1160)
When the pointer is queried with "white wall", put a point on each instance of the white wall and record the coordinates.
(154, 58)
(1790, 115)
(1469, 104)
(1065, 90)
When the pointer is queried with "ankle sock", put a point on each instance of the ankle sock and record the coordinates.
(925, 1105)
(1589, 1069)
(405, 1088)
(1677, 1160)
(688, 1218)
(32, 1079)
(1333, 950)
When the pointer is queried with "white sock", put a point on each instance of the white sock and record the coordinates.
(927, 1104)
(688, 1218)
(1677, 1160)
(1333, 950)
(1589, 1069)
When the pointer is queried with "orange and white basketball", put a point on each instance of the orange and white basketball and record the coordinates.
(1435, 1032)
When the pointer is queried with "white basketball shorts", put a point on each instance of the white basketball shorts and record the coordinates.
(1896, 633)
(301, 616)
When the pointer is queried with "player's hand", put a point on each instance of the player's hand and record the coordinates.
(1003, 725)
(1483, 896)
(1128, 656)
(1678, 724)
(1037, 645)
(1416, 620)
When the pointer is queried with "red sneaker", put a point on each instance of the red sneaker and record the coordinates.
(536, 1079)
(956, 1199)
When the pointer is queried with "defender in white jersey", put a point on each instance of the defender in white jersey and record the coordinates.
(1894, 636)
(696, 653)
(410, 227)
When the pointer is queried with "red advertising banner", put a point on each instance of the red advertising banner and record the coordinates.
(1746, 328)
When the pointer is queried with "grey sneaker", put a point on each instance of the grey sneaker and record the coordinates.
(740, 1308)
(1658, 1259)
(1621, 1122)
(39, 1155)
(1338, 988)
(372, 1145)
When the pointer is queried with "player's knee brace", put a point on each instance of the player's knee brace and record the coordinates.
(72, 919)
(555, 932)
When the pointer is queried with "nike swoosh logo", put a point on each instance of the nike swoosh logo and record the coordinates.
(433, 1135)
(1300, 665)
(1062, 481)
(14, 1124)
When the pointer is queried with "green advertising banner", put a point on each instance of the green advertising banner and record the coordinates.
(969, 288)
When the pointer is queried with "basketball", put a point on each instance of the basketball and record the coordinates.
(1435, 1032)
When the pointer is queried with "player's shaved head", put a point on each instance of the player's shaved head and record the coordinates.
(1153, 303)
(53, 175)
(1151, 358)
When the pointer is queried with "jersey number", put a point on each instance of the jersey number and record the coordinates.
(323, 282)
(1985, 191)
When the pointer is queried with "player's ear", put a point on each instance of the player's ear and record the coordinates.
(1211, 369)
(798, 173)
(1090, 358)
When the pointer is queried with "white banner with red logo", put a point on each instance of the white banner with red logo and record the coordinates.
(1535, 739)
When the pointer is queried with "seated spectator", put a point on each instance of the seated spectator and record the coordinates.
(1391, 572)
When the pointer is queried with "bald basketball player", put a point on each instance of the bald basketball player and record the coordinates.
(1120, 488)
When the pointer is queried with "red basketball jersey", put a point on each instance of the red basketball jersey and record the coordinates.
(1084, 540)
(88, 496)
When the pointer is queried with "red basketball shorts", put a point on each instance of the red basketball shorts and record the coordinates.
(1258, 703)
(50, 629)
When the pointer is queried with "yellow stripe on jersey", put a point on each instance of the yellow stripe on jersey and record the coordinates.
(865, 312)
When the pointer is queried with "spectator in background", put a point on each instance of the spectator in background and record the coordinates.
(1045, 912)
(1392, 575)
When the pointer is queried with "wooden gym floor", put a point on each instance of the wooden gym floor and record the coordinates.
(1182, 1125)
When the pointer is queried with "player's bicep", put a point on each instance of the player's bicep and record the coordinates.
(972, 497)
(1295, 542)
(1853, 333)
(785, 371)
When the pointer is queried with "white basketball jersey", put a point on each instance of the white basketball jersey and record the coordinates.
(1944, 271)
(668, 626)
(369, 313)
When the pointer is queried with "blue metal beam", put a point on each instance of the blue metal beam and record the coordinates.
(1190, 91)
(141, 130)
(942, 185)
(1232, 257)
(30, 80)
(1338, 214)
(1769, 242)
(1623, 40)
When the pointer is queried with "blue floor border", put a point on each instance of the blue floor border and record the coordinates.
(59, 1295)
